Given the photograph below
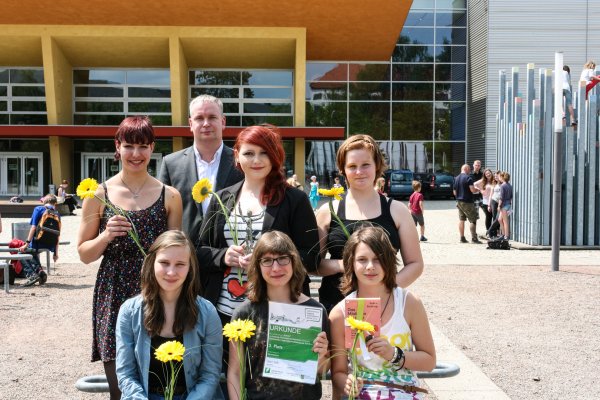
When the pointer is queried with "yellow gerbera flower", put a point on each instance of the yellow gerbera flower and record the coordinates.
(335, 192)
(362, 326)
(87, 188)
(170, 351)
(239, 330)
(201, 190)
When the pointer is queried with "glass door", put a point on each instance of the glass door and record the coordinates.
(21, 174)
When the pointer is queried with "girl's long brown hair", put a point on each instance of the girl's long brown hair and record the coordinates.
(186, 310)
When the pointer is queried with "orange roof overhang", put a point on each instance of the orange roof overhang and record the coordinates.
(161, 132)
(335, 29)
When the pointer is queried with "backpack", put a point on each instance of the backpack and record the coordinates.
(48, 229)
(498, 244)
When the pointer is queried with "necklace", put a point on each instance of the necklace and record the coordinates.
(134, 194)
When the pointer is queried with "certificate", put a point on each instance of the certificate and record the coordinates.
(292, 330)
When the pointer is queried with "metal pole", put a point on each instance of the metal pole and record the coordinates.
(557, 167)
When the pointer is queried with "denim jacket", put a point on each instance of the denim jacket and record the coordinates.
(201, 363)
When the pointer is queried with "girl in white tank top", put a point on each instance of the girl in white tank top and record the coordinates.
(404, 343)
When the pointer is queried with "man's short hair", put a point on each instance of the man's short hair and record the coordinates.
(206, 98)
(50, 199)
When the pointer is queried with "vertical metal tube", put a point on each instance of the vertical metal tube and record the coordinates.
(557, 167)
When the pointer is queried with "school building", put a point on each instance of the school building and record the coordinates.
(420, 76)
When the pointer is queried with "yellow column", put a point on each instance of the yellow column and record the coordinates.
(179, 88)
(58, 78)
(300, 105)
(61, 157)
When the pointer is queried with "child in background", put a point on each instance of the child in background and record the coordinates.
(415, 205)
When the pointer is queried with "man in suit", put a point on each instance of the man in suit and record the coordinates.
(208, 158)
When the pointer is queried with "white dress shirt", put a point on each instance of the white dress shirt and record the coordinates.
(208, 170)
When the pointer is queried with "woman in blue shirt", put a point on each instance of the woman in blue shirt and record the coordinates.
(168, 309)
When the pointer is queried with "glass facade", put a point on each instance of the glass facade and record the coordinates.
(249, 97)
(22, 96)
(106, 96)
(414, 105)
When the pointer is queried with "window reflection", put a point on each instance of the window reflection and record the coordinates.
(419, 18)
(412, 121)
(413, 53)
(450, 72)
(412, 72)
(419, 35)
(450, 121)
(370, 91)
(325, 114)
(451, 36)
(414, 156)
(451, 54)
(448, 157)
(412, 91)
(370, 118)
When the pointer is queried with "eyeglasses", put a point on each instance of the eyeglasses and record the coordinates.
(281, 261)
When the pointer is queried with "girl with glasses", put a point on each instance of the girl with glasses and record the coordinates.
(275, 274)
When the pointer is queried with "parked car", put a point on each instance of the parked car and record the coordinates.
(398, 183)
(440, 185)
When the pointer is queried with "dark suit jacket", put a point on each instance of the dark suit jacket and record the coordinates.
(179, 170)
(293, 216)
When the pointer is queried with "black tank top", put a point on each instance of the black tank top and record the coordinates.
(329, 292)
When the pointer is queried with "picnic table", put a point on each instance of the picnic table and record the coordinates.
(5, 260)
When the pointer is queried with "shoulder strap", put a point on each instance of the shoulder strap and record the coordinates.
(386, 203)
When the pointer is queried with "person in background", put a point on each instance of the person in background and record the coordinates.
(405, 343)
(568, 94)
(415, 205)
(207, 157)
(477, 174)
(294, 182)
(275, 274)
(168, 309)
(336, 182)
(38, 275)
(589, 76)
(314, 193)
(151, 207)
(505, 204)
(380, 185)
(463, 190)
(360, 160)
(485, 186)
(69, 199)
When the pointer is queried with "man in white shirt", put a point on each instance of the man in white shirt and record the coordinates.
(208, 158)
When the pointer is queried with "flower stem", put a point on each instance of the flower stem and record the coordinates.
(339, 221)
(133, 232)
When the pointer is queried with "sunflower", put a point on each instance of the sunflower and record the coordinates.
(335, 192)
(361, 326)
(239, 330)
(170, 351)
(87, 188)
(201, 190)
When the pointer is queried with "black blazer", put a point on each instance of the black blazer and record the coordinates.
(179, 170)
(293, 216)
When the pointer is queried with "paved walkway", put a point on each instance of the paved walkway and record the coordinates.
(442, 248)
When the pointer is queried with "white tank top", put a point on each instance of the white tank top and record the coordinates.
(397, 331)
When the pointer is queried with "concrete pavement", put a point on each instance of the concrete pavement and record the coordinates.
(442, 248)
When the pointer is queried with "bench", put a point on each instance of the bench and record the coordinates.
(18, 210)
(5, 260)
(5, 249)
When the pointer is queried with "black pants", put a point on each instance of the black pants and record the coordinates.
(488, 215)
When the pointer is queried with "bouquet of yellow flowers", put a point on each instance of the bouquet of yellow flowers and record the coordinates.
(87, 190)
(237, 331)
(169, 352)
(360, 327)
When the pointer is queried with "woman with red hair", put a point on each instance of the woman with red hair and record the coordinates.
(262, 202)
